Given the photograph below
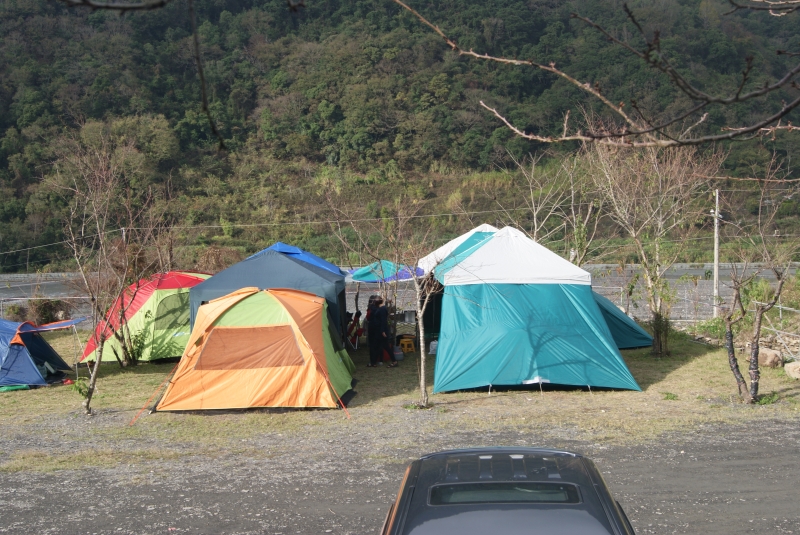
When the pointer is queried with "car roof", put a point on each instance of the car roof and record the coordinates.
(506, 465)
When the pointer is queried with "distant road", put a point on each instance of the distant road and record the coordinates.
(691, 284)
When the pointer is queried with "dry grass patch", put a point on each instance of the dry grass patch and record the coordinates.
(692, 387)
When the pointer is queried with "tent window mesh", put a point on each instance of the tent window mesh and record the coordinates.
(172, 312)
(242, 348)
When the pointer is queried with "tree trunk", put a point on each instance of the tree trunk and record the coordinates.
(423, 380)
(660, 335)
(755, 374)
(93, 379)
(734, 363)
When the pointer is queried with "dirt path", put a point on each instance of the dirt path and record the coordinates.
(718, 480)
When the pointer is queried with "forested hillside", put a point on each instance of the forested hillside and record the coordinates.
(354, 90)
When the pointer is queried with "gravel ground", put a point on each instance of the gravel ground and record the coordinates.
(713, 480)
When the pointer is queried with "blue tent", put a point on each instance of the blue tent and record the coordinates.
(515, 313)
(382, 271)
(626, 332)
(299, 254)
(271, 269)
(25, 357)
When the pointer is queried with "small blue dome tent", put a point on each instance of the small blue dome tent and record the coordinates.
(26, 358)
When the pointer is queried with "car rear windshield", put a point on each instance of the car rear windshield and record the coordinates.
(504, 492)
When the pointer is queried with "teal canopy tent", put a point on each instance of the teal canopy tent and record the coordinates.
(382, 271)
(626, 332)
(515, 313)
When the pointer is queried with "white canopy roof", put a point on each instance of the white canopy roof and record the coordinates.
(511, 257)
(429, 262)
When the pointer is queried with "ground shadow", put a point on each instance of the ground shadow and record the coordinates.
(649, 370)
(110, 369)
(381, 382)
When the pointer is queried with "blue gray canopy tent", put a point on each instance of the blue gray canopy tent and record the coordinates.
(382, 271)
(272, 269)
(515, 313)
(26, 358)
(626, 332)
(299, 254)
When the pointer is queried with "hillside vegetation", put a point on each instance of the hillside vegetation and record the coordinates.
(350, 93)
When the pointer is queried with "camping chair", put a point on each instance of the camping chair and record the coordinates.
(354, 330)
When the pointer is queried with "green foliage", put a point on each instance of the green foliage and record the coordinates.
(137, 345)
(15, 312)
(713, 328)
(768, 399)
(81, 386)
(41, 311)
(353, 93)
(669, 396)
(757, 290)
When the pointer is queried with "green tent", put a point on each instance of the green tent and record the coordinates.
(156, 311)
(626, 332)
(270, 348)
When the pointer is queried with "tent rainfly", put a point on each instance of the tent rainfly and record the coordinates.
(156, 308)
(299, 254)
(627, 333)
(26, 358)
(273, 269)
(516, 313)
(382, 271)
(253, 348)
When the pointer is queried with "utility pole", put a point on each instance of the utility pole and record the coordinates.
(716, 253)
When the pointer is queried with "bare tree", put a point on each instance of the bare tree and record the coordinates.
(400, 236)
(636, 127)
(650, 195)
(760, 247)
(538, 201)
(583, 214)
(734, 312)
(108, 230)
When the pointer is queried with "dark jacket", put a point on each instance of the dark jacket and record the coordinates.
(379, 320)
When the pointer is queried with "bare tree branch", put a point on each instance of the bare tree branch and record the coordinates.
(122, 7)
(199, 62)
(778, 8)
(649, 133)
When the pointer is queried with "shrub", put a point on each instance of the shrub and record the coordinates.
(42, 311)
(16, 313)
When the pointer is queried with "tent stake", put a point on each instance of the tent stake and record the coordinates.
(541, 392)
(590, 389)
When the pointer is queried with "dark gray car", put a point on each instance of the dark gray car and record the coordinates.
(503, 491)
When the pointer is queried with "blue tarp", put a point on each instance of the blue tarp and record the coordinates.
(514, 334)
(20, 364)
(299, 254)
(382, 271)
(626, 332)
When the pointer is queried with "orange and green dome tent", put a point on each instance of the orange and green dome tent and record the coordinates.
(156, 310)
(252, 348)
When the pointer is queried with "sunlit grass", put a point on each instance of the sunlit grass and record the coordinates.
(697, 377)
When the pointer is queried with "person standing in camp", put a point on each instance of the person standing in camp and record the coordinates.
(378, 334)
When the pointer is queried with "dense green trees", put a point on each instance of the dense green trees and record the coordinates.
(353, 85)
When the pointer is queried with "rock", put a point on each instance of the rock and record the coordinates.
(770, 358)
(793, 369)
